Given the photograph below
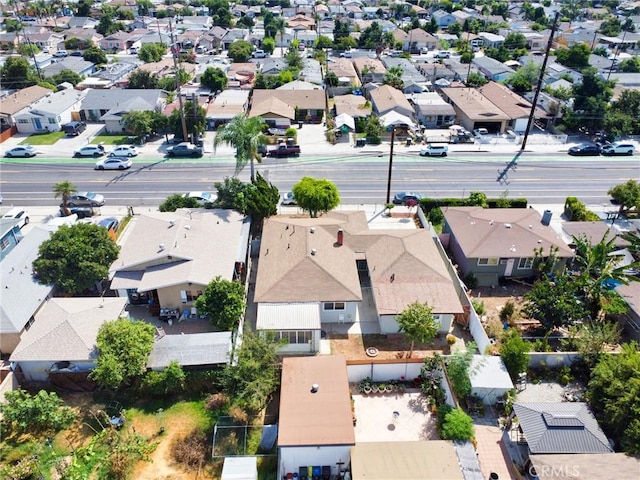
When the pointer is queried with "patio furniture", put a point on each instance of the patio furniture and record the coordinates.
(167, 313)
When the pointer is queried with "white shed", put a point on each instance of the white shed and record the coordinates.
(240, 468)
(489, 378)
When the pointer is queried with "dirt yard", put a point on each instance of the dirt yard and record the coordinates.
(496, 298)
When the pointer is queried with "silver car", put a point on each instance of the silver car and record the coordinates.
(89, 151)
(85, 198)
(113, 163)
(21, 151)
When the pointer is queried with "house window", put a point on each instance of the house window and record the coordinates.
(29, 323)
(525, 263)
(295, 336)
(52, 120)
(485, 262)
(334, 306)
(4, 243)
(23, 120)
(189, 295)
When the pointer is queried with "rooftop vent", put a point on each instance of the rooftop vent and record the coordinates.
(313, 251)
(314, 388)
(161, 247)
(312, 230)
(507, 225)
(171, 223)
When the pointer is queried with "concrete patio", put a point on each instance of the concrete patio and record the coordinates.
(376, 421)
(183, 327)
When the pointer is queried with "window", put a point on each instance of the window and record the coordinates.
(189, 295)
(23, 120)
(4, 243)
(52, 120)
(525, 263)
(334, 306)
(484, 262)
(295, 336)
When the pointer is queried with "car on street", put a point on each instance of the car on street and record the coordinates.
(434, 150)
(21, 151)
(89, 151)
(91, 199)
(81, 212)
(478, 132)
(585, 150)
(259, 54)
(401, 198)
(113, 163)
(77, 53)
(618, 148)
(124, 151)
(288, 199)
(202, 197)
(19, 214)
(60, 54)
(346, 54)
(110, 223)
(442, 54)
(184, 149)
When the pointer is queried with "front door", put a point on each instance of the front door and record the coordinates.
(508, 271)
(37, 123)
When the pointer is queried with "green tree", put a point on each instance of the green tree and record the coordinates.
(295, 62)
(554, 303)
(245, 21)
(341, 29)
(457, 366)
(576, 56)
(373, 36)
(621, 118)
(83, 8)
(142, 79)
(65, 76)
(393, 77)
(476, 79)
(591, 339)
(457, 425)
(16, 72)
(137, 123)
(627, 195)
(240, 51)
(176, 201)
(610, 27)
(214, 78)
(630, 65)
(39, 414)
(95, 55)
(152, 52)
(316, 196)
(28, 49)
(268, 45)
(346, 43)
(324, 42)
(169, 381)
(220, 12)
(196, 120)
(280, 26)
(373, 130)
(417, 323)
(245, 135)
(591, 100)
(124, 347)
(256, 375)
(13, 25)
(331, 79)
(525, 77)
(262, 199)
(64, 190)
(223, 301)
(515, 40)
(169, 83)
(513, 351)
(232, 194)
(75, 257)
(106, 25)
(614, 396)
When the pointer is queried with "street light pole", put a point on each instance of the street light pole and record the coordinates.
(393, 134)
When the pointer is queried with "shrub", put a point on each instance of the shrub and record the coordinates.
(216, 401)
(169, 381)
(239, 415)
(478, 306)
(36, 414)
(507, 312)
(514, 352)
(470, 280)
(451, 339)
(457, 425)
(435, 216)
(203, 381)
(191, 451)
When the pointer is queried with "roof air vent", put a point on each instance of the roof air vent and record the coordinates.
(161, 247)
(312, 230)
(507, 225)
(314, 388)
(313, 251)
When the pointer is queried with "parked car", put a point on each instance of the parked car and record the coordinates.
(434, 151)
(85, 198)
(346, 54)
(401, 198)
(81, 212)
(73, 129)
(259, 54)
(110, 223)
(478, 132)
(89, 151)
(202, 197)
(184, 149)
(113, 163)
(284, 150)
(77, 53)
(585, 150)
(60, 54)
(177, 139)
(618, 148)
(21, 151)
(19, 214)
(124, 151)
(442, 54)
(288, 199)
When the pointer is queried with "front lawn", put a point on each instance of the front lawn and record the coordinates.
(43, 138)
(111, 140)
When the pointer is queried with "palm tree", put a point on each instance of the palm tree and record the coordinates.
(64, 190)
(280, 26)
(245, 134)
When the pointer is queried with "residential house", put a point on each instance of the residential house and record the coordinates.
(307, 38)
(116, 42)
(312, 72)
(21, 295)
(435, 71)
(276, 113)
(343, 69)
(355, 106)
(51, 112)
(593, 232)
(513, 105)
(17, 101)
(354, 11)
(324, 438)
(9, 41)
(499, 242)
(492, 68)
(370, 70)
(537, 41)
(75, 64)
(301, 22)
(190, 248)
(111, 75)
(226, 105)
(410, 74)
(443, 18)
(99, 102)
(213, 38)
(62, 339)
(299, 85)
(421, 13)
(232, 35)
(474, 110)
(10, 235)
(596, 466)
(462, 16)
(309, 105)
(460, 72)
(273, 65)
(87, 37)
(154, 37)
(84, 23)
(165, 67)
(241, 75)
(317, 271)
(385, 99)
(431, 110)
(113, 120)
(47, 40)
(407, 460)
(491, 40)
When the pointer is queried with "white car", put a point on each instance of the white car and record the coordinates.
(434, 151)
(288, 199)
(60, 54)
(478, 132)
(113, 163)
(89, 151)
(124, 151)
(21, 151)
(202, 197)
(443, 54)
(618, 148)
(19, 214)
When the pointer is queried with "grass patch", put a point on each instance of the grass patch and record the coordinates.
(43, 138)
(111, 140)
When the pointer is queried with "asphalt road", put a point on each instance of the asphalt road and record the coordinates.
(360, 179)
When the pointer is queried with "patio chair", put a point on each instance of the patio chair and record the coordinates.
(194, 312)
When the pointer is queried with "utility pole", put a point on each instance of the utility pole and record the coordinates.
(540, 79)
(393, 135)
(185, 135)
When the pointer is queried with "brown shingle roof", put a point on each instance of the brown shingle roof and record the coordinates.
(509, 102)
(320, 418)
(303, 99)
(372, 64)
(594, 231)
(475, 105)
(353, 105)
(387, 98)
(12, 104)
(502, 232)
(272, 106)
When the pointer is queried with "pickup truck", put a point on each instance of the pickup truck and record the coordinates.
(284, 150)
(184, 150)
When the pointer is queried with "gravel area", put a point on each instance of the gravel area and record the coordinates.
(542, 392)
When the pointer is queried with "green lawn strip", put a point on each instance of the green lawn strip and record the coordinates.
(111, 140)
(43, 138)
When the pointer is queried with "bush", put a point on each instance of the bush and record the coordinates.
(239, 415)
(169, 381)
(216, 401)
(435, 216)
(478, 306)
(451, 339)
(203, 381)
(457, 425)
(191, 451)
(507, 312)
(176, 201)
(514, 352)
(470, 280)
(41, 413)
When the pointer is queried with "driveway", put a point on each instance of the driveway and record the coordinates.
(492, 451)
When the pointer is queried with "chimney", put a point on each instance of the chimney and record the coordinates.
(340, 237)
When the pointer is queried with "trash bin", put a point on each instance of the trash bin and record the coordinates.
(361, 142)
(408, 142)
(299, 124)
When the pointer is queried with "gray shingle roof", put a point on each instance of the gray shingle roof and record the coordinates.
(107, 99)
(561, 428)
(191, 350)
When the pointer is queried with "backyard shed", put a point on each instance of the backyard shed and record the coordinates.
(240, 468)
(489, 378)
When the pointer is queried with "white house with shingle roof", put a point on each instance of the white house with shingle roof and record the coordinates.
(170, 257)
(316, 271)
(63, 336)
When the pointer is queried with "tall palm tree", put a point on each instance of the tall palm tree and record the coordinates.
(64, 190)
(245, 135)
(280, 26)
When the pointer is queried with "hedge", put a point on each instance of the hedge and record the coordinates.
(427, 204)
